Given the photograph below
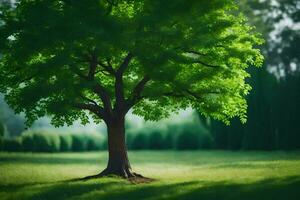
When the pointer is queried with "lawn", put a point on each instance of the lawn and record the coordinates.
(205, 175)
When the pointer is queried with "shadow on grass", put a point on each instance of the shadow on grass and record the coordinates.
(115, 189)
(271, 189)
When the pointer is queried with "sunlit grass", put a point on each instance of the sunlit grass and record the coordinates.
(179, 175)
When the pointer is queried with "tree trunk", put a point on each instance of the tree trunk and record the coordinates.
(118, 163)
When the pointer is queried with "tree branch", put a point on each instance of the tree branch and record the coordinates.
(108, 68)
(173, 94)
(137, 91)
(125, 64)
(78, 72)
(199, 61)
(101, 91)
(103, 72)
(192, 94)
(110, 6)
(91, 107)
(28, 78)
(140, 86)
(207, 65)
(119, 87)
(93, 66)
(89, 100)
(96, 87)
(177, 95)
(195, 52)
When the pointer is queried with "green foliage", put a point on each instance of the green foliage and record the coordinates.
(283, 53)
(129, 138)
(187, 140)
(169, 140)
(105, 143)
(80, 142)
(274, 107)
(276, 129)
(190, 54)
(41, 141)
(191, 135)
(14, 124)
(206, 141)
(146, 137)
(12, 145)
(65, 142)
(46, 142)
(156, 140)
(95, 142)
(287, 119)
(140, 141)
(1, 143)
(50, 141)
(1, 135)
(1, 130)
(28, 142)
(162, 135)
(165, 135)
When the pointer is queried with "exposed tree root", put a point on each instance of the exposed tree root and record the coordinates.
(125, 174)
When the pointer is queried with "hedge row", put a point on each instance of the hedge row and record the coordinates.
(54, 142)
(1, 135)
(187, 140)
(147, 139)
(186, 135)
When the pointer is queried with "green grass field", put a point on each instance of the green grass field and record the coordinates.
(204, 175)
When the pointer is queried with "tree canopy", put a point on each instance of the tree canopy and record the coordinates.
(62, 57)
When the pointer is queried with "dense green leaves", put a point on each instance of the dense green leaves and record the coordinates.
(109, 56)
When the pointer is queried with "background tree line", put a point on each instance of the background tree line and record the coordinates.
(274, 102)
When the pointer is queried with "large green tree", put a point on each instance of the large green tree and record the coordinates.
(68, 58)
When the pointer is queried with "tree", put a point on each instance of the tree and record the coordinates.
(63, 58)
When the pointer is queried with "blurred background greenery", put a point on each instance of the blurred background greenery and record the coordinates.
(273, 113)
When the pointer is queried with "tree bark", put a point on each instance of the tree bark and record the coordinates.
(118, 162)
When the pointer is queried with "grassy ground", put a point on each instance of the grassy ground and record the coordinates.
(209, 175)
